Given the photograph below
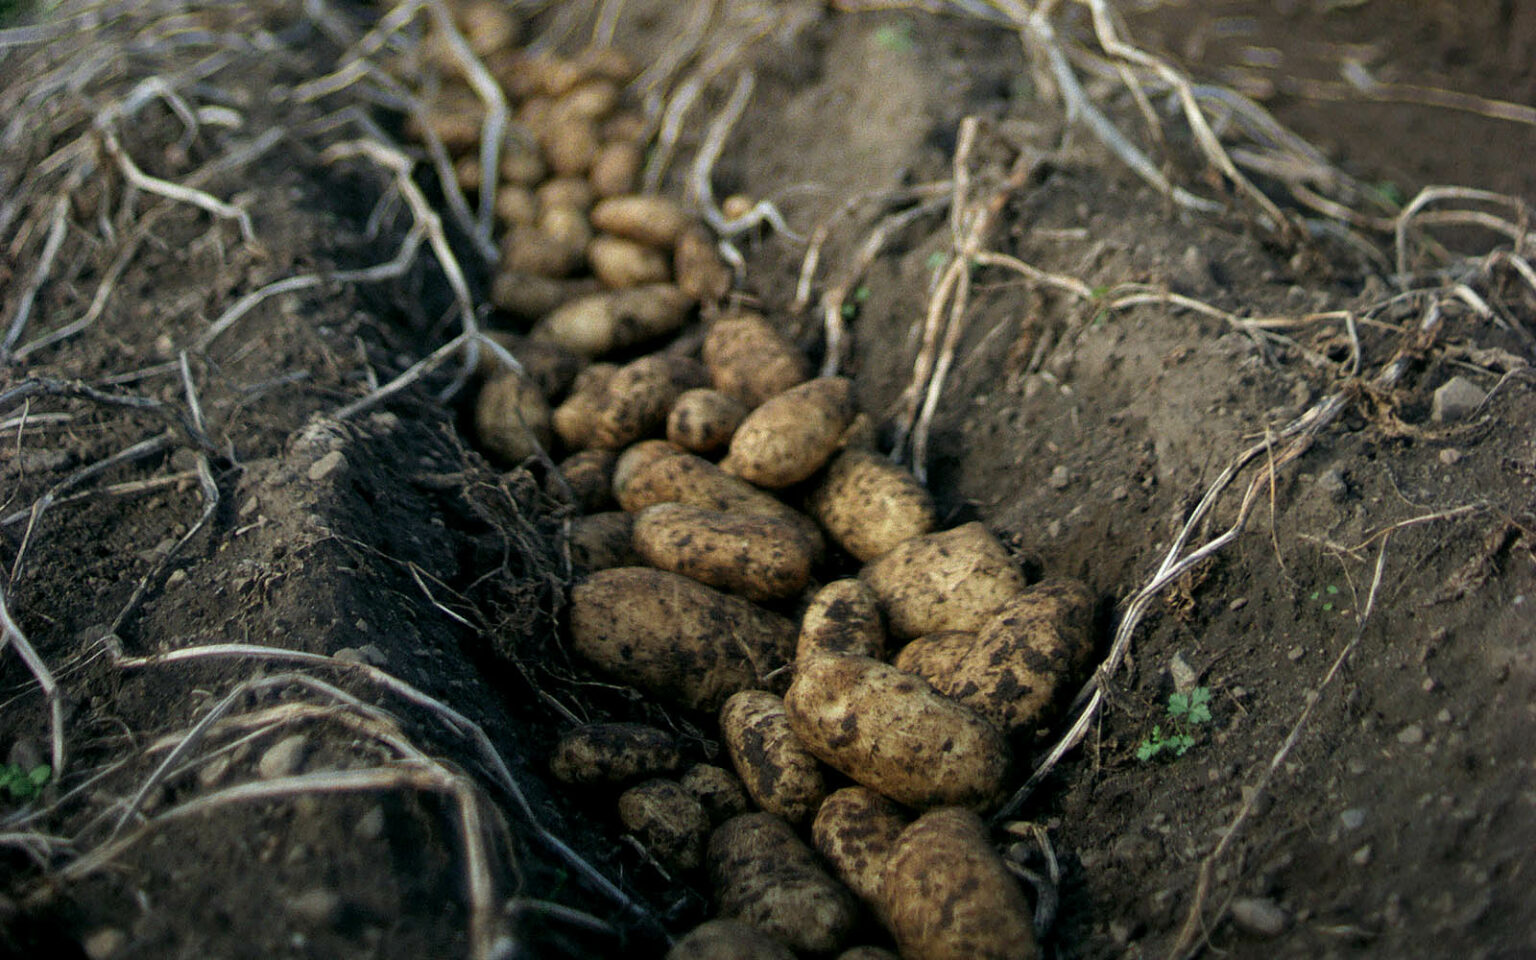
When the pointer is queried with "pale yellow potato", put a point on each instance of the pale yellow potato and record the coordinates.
(601, 323)
(488, 26)
(781, 776)
(727, 939)
(955, 580)
(614, 753)
(575, 419)
(704, 420)
(869, 504)
(570, 145)
(948, 895)
(696, 262)
(791, 435)
(855, 831)
(512, 418)
(515, 206)
(591, 99)
(532, 249)
(1013, 669)
(572, 192)
(522, 163)
(718, 790)
(893, 733)
(529, 296)
(758, 557)
(668, 822)
(589, 475)
(466, 170)
(842, 617)
(765, 875)
(751, 360)
(601, 541)
(615, 168)
(675, 638)
(615, 409)
(618, 262)
(607, 63)
(644, 218)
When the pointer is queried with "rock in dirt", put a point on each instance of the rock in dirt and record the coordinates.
(1456, 399)
(104, 943)
(284, 758)
(1259, 916)
(316, 907)
(1183, 675)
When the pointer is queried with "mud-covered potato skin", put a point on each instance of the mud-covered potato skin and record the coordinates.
(704, 420)
(668, 820)
(717, 790)
(751, 360)
(792, 435)
(758, 557)
(948, 896)
(589, 475)
(601, 541)
(893, 733)
(727, 939)
(955, 580)
(614, 753)
(765, 875)
(842, 617)
(855, 831)
(675, 638)
(512, 418)
(869, 505)
(782, 776)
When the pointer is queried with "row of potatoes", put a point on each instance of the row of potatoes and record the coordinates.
(702, 553)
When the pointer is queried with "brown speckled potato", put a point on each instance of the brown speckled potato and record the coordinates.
(948, 895)
(601, 323)
(855, 831)
(697, 265)
(612, 410)
(791, 435)
(600, 541)
(1012, 670)
(575, 419)
(668, 821)
(727, 939)
(955, 580)
(717, 790)
(512, 418)
(675, 638)
(869, 504)
(589, 474)
(765, 875)
(780, 774)
(614, 753)
(893, 733)
(843, 617)
(760, 558)
(751, 360)
(637, 456)
(651, 220)
(704, 420)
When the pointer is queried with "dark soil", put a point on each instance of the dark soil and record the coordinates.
(1401, 823)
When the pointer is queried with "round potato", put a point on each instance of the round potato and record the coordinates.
(570, 144)
(727, 939)
(869, 505)
(955, 580)
(703, 420)
(601, 541)
(618, 262)
(843, 617)
(515, 205)
(1011, 671)
(697, 265)
(575, 420)
(668, 821)
(717, 790)
(512, 418)
(593, 99)
(674, 637)
(614, 753)
(780, 774)
(522, 164)
(751, 360)
(855, 831)
(948, 896)
(792, 435)
(638, 456)
(760, 558)
(893, 733)
(768, 877)
(651, 220)
(536, 250)
(589, 475)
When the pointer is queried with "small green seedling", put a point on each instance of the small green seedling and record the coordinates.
(1185, 712)
(851, 310)
(22, 785)
(1330, 591)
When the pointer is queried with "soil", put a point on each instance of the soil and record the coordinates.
(1400, 822)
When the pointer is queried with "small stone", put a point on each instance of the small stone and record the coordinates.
(368, 653)
(284, 758)
(1333, 484)
(1450, 456)
(316, 907)
(1121, 492)
(1259, 916)
(1411, 734)
(1444, 716)
(1353, 818)
(177, 577)
(1060, 477)
(213, 771)
(370, 826)
(1361, 857)
(104, 943)
(1237, 604)
(1184, 677)
(326, 465)
(1456, 399)
(1295, 653)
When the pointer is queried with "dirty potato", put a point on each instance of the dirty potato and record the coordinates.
(751, 360)
(842, 617)
(955, 580)
(589, 476)
(512, 419)
(618, 262)
(601, 323)
(704, 420)
(717, 790)
(530, 296)
(869, 504)
(760, 558)
(855, 831)
(601, 541)
(668, 821)
(726, 939)
(948, 896)
(766, 876)
(780, 774)
(674, 637)
(650, 220)
(615, 168)
(893, 733)
(614, 753)
(696, 263)
(791, 435)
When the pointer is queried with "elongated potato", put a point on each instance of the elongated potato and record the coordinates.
(604, 322)
(855, 831)
(669, 822)
(614, 753)
(601, 541)
(718, 791)
(529, 296)
(760, 558)
(843, 617)
(616, 167)
(893, 733)
(767, 877)
(780, 774)
(697, 265)
(637, 401)
(751, 360)
(948, 895)
(703, 420)
(651, 220)
(792, 435)
(618, 262)
(675, 638)
(955, 580)
(512, 418)
(1012, 670)
(638, 456)
(726, 939)
(575, 420)
(869, 505)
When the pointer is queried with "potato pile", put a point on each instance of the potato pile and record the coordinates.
(725, 497)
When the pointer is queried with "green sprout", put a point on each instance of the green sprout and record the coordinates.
(1329, 590)
(22, 784)
(1185, 712)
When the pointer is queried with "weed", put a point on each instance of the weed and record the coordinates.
(1329, 591)
(1185, 712)
(23, 785)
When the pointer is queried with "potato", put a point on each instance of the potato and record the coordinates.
(717, 790)
(515, 206)
(955, 580)
(601, 541)
(766, 876)
(639, 456)
(591, 99)
(668, 821)
(589, 474)
(703, 420)
(1012, 670)
(780, 774)
(604, 322)
(842, 617)
(625, 126)
(893, 733)
(615, 168)
(675, 638)
(948, 895)
(614, 411)
(521, 162)
(697, 265)
(532, 249)
(455, 116)
(750, 360)
(529, 296)
(544, 73)
(869, 504)
(551, 369)
(607, 63)
(651, 220)
(760, 558)
(572, 192)
(614, 753)
(855, 831)
(624, 263)
(466, 170)
(487, 25)
(727, 939)
(791, 435)
(512, 419)
(570, 144)
(575, 419)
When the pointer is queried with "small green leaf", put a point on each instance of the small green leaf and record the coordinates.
(1333, 591)
(1146, 751)
(861, 294)
(40, 775)
(1200, 695)
(1315, 594)
(1178, 704)
(1328, 607)
(850, 310)
(1097, 293)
